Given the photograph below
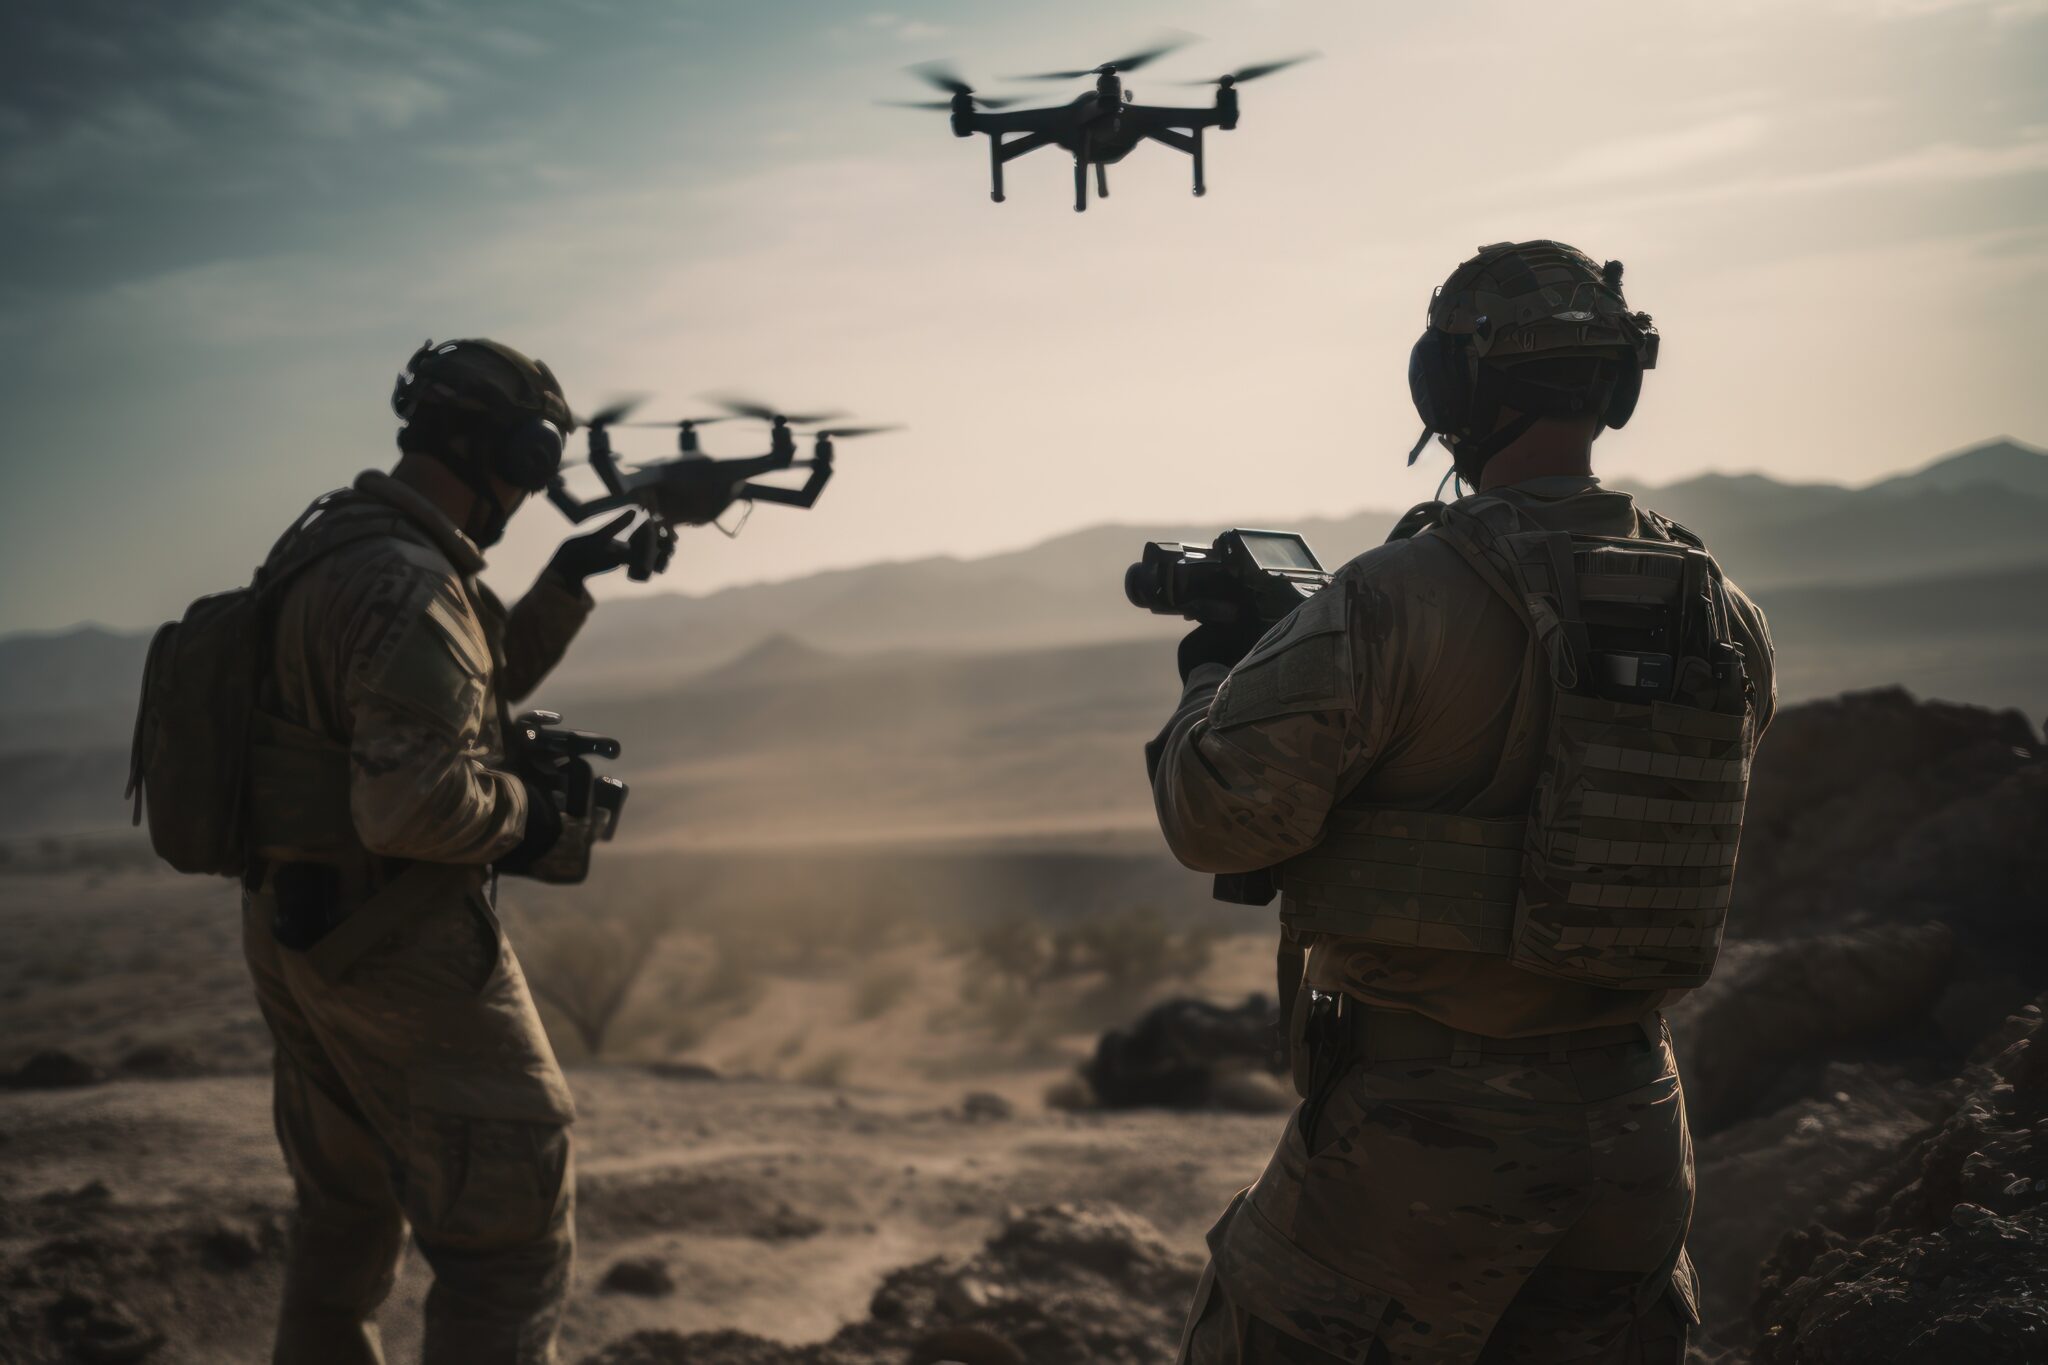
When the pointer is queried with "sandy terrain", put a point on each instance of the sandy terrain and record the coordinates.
(745, 1190)
(840, 1147)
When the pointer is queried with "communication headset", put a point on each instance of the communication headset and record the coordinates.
(525, 452)
(1457, 395)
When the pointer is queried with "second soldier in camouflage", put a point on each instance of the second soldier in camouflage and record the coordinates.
(1497, 769)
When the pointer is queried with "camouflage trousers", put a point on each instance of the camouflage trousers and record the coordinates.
(417, 1087)
(1527, 1209)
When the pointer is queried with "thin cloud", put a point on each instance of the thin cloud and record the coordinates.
(1661, 153)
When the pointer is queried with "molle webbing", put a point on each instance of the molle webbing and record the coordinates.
(1409, 877)
(1620, 874)
(1633, 841)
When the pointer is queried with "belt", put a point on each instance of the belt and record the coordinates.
(1384, 1035)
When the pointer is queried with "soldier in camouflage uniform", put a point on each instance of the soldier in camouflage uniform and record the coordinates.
(414, 1083)
(1491, 1161)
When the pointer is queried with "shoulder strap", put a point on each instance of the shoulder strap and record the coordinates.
(313, 536)
(1471, 537)
(1671, 529)
(1416, 520)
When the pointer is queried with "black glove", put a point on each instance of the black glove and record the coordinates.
(599, 551)
(652, 546)
(543, 828)
(1213, 643)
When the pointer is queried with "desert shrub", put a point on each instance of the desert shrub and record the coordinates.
(880, 988)
(586, 965)
(1005, 1008)
(1014, 949)
(830, 1068)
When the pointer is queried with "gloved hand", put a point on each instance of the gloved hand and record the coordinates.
(593, 553)
(543, 828)
(652, 546)
(1214, 643)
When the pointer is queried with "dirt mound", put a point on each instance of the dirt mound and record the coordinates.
(730, 1201)
(1775, 1014)
(88, 1276)
(52, 1070)
(1877, 805)
(1187, 1054)
(1076, 1282)
(1943, 1256)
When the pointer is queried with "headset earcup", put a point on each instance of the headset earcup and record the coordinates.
(1628, 387)
(1437, 382)
(531, 454)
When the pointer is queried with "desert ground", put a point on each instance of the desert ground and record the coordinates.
(781, 1116)
(834, 1109)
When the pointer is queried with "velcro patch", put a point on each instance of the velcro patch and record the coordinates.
(433, 671)
(1303, 664)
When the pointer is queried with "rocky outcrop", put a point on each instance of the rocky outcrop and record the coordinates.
(1776, 1013)
(1066, 1282)
(1944, 1257)
(1189, 1054)
(1874, 805)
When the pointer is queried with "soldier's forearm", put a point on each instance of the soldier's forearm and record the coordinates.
(538, 630)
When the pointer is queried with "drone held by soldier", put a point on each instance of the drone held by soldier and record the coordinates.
(1099, 127)
(696, 489)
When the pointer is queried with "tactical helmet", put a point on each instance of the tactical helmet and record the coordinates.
(1510, 304)
(511, 408)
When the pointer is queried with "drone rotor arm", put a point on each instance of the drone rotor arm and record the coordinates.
(1148, 118)
(806, 496)
(581, 509)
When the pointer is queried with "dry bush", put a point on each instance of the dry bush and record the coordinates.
(1015, 949)
(880, 988)
(585, 967)
(830, 1069)
(1126, 951)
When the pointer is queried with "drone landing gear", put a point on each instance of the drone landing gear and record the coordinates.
(1101, 180)
(1000, 152)
(1189, 142)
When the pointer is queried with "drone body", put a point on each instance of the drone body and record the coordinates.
(1098, 128)
(696, 489)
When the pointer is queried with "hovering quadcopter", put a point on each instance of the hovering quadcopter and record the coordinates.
(1099, 127)
(693, 488)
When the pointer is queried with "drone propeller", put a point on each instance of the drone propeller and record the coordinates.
(682, 422)
(979, 103)
(1252, 73)
(843, 433)
(1121, 64)
(612, 412)
(761, 412)
(942, 76)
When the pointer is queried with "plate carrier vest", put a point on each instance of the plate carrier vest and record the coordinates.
(1619, 874)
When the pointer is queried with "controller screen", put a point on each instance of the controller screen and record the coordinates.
(1270, 551)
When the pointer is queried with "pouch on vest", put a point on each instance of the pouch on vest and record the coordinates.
(188, 762)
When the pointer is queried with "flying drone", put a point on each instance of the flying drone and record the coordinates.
(696, 489)
(1099, 127)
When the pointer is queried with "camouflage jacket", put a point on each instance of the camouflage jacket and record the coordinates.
(390, 648)
(1410, 710)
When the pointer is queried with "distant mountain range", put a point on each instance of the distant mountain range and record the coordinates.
(1937, 579)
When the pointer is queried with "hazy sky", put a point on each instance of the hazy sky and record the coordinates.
(228, 222)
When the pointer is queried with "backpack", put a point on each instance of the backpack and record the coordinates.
(188, 762)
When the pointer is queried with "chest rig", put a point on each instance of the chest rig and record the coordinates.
(1618, 874)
